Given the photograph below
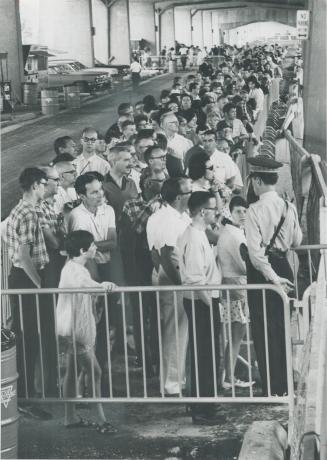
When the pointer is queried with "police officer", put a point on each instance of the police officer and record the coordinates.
(272, 228)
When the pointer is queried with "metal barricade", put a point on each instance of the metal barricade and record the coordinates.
(127, 390)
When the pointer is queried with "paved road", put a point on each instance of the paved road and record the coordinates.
(33, 144)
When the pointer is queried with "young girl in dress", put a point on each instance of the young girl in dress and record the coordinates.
(76, 323)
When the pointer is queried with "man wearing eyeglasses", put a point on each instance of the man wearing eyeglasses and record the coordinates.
(66, 192)
(28, 254)
(53, 232)
(198, 267)
(178, 144)
(88, 160)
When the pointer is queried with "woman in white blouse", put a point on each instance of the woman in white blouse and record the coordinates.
(256, 93)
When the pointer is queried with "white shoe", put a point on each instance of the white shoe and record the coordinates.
(237, 384)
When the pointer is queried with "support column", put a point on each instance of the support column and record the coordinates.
(157, 29)
(197, 34)
(119, 29)
(11, 43)
(167, 28)
(183, 26)
(100, 24)
(314, 85)
(207, 29)
(142, 23)
(215, 26)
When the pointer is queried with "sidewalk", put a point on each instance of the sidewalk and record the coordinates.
(146, 431)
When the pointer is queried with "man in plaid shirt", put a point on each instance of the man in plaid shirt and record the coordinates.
(28, 254)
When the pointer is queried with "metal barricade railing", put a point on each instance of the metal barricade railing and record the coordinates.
(41, 299)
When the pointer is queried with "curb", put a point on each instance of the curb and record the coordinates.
(12, 128)
(264, 440)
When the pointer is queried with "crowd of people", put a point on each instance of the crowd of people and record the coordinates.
(161, 198)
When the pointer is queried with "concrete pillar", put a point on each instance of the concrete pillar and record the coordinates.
(207, 29)
(167, 28)
(11, 43)
(314, 91)
(183, 26)
(119, 30)
(215, 26)
(142, 23)
(197, 29)
(100, 23)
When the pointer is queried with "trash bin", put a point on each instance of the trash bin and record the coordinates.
(9, 413)
(172, 67)
(30, 93)
(49, 101)
(72, 97)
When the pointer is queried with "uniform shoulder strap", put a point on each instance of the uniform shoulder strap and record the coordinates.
(279, 226)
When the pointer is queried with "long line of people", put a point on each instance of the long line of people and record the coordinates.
(158, 199)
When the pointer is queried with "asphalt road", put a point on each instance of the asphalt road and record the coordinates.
(32, 144)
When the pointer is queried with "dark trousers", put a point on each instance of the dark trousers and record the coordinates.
(51, 280)
(19, 280)
(136, 78)
(103, 333)
(204, 351)
(275, 327)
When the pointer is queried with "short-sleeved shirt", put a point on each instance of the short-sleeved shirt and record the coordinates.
(225, 168)
(48, 216)
(98, 224)
(63, 196)
(197, 261)
(117, 196)
(93, 163)
(261, 221)
(180, 145)
(24, 228)
(165, 226)
(239, 128)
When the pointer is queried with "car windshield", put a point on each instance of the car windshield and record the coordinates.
(77, 65)
(62, 68)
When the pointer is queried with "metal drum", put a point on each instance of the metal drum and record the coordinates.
(72, 97)
(30, 93)
(50, 101)
(9, 413)
(172, 67)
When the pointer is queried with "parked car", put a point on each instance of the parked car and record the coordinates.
(65, 72)
(116, 70)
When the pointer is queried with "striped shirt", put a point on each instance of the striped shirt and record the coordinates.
(24, 228)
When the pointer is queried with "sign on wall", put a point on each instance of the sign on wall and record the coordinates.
(302, 24)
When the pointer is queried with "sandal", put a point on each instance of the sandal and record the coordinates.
(82, 423)
(106, 428)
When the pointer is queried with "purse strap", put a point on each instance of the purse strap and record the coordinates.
(279, 226)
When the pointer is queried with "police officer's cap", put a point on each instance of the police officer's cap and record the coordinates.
(263, 164)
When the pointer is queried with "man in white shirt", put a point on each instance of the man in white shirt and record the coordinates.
(66, 192)
(198, 267)
(178, 144)
(226, 170)
(163, 229)
(98, 218)
(88, 160)
(136, 69)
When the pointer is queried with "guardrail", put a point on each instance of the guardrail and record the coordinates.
(43, 297)
(309, 431)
